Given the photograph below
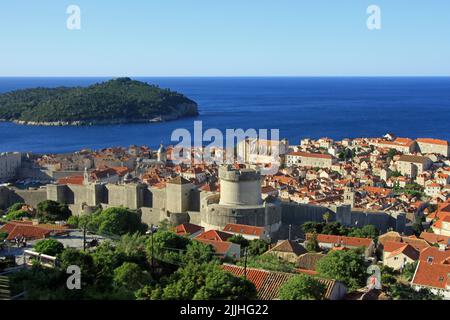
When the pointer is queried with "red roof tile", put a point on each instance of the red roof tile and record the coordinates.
(215, 235)
(244, 229)
(435, 254)
(341, 240)
(432, 275)
(187, 228)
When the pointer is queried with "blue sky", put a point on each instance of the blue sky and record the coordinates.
(224, 38)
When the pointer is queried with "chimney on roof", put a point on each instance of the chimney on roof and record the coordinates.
(442, 247)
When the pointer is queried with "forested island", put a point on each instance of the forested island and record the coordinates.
(120, 100)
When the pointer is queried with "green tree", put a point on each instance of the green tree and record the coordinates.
(51, 247)
(3, 235)
(388, 276)
(167, 246)
(312, 245)
(198, 252)
(392, 153)
(133, 248)
(311, 227)
(119, 221)
(257, 247)
(17, 215)
(303, 287)
(204, 281)
(368, 231)
(268, 262)
(326, 217)
(130, 277)
(409, 270)
(50, 210)
(240, 240)
(71, 256)
(73, 221)
(400, 291)
(16, 206)
(345, 266)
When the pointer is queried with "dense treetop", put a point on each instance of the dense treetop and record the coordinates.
(116, 100)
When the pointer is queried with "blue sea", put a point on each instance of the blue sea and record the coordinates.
(299, 107)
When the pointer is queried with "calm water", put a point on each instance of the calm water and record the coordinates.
(299, 107)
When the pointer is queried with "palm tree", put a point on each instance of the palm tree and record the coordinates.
(326, 217)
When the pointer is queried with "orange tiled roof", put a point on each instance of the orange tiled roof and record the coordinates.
(187, 228)
(78, 180)
(342, 240)
(437, 255)
(435, 238)
(214, 235)
(433, 141)
(432, 275)
(268, 283)
(29, 231)
(220, 247)
(244, 229)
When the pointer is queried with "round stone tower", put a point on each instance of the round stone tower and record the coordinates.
(240, 202)
(240, 187)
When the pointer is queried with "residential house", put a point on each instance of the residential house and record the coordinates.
(287, 250)
(268, 283)
(327, 241)
(248, 232)
(432, 276)
(398, 254)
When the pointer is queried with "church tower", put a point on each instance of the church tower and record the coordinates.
(349, 194)
(161, 154)
(86, 179)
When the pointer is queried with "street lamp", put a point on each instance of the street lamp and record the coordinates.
(151, 231)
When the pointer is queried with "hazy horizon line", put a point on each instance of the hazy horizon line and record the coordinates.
(225, 76)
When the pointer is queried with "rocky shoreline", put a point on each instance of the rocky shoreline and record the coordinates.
(183, 111)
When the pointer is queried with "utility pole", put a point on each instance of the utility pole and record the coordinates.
(84, 237)
(151, 231)
(245, 262)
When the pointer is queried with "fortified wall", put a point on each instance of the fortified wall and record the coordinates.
(297, 214)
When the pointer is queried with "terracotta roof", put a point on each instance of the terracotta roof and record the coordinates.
(103, 173)
(433, 141)
(244, 229)
(407, 250)
(435, 238)
(187, 228)
(404, 141)
(389, 236)
(215, 235)
(288, 246)
(437, 255)
(71, 180)
(391, 246)
(432, 275)
(268, 283)
(418, 244)
(29, 231)
(342, 240)
(309, 260)
(220, 247)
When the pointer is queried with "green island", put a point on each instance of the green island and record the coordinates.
(120, 100)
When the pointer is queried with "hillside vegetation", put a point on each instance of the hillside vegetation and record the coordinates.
(120, 100)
